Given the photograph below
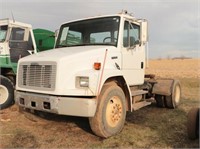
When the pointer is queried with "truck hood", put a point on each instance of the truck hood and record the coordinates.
(72, 62)
(63, 53)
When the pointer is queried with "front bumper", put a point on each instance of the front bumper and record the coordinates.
(75, 106)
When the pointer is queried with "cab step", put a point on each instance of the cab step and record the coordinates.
(138, 92)
(140, 104)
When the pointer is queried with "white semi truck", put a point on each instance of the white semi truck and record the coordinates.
(97, 71)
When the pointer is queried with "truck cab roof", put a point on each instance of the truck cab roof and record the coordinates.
(123, 14)
(10, 22)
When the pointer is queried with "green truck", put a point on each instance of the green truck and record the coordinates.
(18, 40)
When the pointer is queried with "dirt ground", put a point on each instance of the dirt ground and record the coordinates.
(149, 127)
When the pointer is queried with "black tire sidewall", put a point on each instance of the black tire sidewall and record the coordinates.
(175, 104)
(160, 101)
(10, 87)
(197, 123)
(192, 123)
(170, 100)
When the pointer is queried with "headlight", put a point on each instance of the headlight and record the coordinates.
(82, 81)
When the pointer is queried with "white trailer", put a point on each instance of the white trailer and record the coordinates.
(97, 71)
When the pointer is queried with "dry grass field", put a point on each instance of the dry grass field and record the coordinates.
(149, 127)
(177, 68)
(186, 70)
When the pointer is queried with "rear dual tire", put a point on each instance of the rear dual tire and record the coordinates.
(160, 101)
(171, 101)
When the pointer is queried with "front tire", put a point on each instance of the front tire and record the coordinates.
(111, 112)
(6, 92)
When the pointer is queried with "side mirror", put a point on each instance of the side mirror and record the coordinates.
(143, 31)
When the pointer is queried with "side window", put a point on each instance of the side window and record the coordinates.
(126, 34)
(18, 45)
(17, 34)
(134, 34)
(131, 34)
(3, 32)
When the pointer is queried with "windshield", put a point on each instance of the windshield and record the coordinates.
(3, 31)
(100, 31)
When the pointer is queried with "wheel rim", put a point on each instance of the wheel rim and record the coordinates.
(3, 94)
(114, 111)
(177, 94)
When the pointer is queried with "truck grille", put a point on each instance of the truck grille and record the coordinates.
(37, 76)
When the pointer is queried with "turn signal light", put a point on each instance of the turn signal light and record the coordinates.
(97, 66)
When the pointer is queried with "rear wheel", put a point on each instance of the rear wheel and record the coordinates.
(6, 92)
(160, 101)
(111, 112)
(173, 100)
(193, 123)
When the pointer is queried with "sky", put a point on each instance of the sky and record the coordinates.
(174, 25)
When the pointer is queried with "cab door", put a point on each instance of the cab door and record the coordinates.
(133, 54)
(20, 42)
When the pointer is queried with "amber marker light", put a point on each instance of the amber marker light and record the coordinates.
(97, 66)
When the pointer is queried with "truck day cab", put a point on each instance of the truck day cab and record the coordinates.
(97, 71)
(17, 40)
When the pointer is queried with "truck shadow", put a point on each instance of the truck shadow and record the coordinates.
(161, 127)
(56, 120)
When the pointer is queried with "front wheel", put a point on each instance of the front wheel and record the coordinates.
(6, 92)
(111, 112)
